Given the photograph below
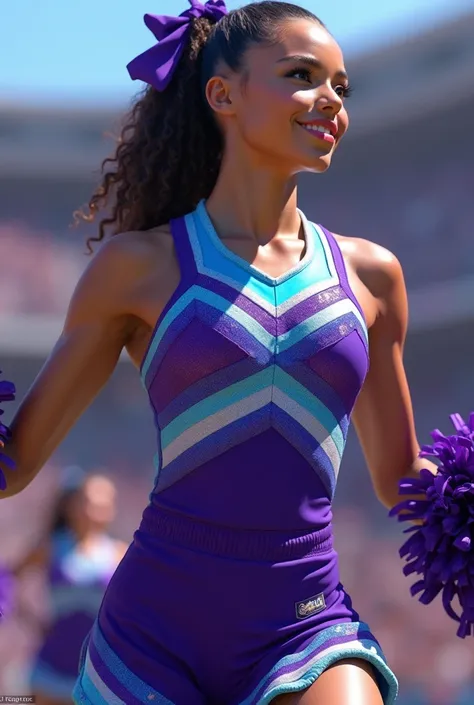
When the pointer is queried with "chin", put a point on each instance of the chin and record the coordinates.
(318, 167)
(317, 164)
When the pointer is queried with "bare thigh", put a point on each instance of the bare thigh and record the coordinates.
(42, 699)
(349, 682)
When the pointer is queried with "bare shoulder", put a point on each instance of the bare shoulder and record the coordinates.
(376, 266)
(133, 253)
(122, 265)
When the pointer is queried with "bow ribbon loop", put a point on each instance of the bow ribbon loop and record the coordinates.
(157, 64)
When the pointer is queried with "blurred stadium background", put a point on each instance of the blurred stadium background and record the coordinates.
(404, 178)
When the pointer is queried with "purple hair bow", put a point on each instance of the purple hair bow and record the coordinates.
(156, 65)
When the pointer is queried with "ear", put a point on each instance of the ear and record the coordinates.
(219, 96)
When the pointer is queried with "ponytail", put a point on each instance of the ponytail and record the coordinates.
(170, 149)
(168, 155)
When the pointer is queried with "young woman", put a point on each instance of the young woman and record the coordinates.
(252, 330)
(79, 558)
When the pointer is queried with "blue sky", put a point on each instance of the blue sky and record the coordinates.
(77, 50)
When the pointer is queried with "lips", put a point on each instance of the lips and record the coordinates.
(319, 132)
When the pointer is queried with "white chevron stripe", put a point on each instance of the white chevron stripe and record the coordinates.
(310, 424)
(305, 294)
(215, 422)
(313, 323)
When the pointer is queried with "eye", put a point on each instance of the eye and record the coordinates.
(300, 74)
(344, 91)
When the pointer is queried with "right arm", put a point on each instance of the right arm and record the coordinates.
(97, 327)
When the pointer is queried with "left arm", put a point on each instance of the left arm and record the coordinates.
(383, 415)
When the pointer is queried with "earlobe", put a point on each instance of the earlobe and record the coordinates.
(218, 94)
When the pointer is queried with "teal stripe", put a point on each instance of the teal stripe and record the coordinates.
(217, 302)
(358, 649)
(327, 252)
(312, 324)
(218, 264)
(317, 270)
(309, 401)
(215, 403)
(370, 651)
(141, 690)
(91, 690)
(237, 314)
(91, 672)
(173, 313)
(213, 263)
(313, 647)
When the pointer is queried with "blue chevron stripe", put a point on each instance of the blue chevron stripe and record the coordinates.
(305, 444)
(301, 396)
(214, 445)
(211, 405)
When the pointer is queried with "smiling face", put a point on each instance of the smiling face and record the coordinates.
(287, 106)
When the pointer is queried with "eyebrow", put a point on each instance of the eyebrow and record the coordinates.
(309, 61)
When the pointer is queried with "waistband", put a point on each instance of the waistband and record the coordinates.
(246, 544)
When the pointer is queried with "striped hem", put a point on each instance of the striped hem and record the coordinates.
(299, 671)
(105, 680)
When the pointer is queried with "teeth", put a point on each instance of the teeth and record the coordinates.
(318, 128)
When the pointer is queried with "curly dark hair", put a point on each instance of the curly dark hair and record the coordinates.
(170, 148)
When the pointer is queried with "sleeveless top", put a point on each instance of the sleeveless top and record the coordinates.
(77, 581)
(252, 380)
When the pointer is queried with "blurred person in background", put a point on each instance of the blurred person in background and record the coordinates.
(251, 328)
(78, 557)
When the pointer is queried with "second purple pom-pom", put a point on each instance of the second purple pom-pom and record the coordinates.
(441, 548)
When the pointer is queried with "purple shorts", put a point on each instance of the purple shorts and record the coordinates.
(198, 614)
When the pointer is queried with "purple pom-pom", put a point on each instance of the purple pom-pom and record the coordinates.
(441, 549)
(7, 592)
(7, 393)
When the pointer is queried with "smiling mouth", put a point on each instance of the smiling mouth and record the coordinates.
(318, 131)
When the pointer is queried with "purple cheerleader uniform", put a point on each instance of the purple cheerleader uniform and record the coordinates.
(230, 592)
(76, 584)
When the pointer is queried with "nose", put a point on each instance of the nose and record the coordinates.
(328, 101)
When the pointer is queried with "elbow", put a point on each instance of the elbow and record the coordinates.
(387, 491)
(388, 499)
(16, 480)
(13, 487)
(387, 494)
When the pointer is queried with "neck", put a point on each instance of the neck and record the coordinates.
(253, 201)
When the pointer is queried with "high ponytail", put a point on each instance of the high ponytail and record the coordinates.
(168, 153)
(170, 149)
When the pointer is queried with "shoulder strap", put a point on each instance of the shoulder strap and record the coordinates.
(341, 268)
(183, 248)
